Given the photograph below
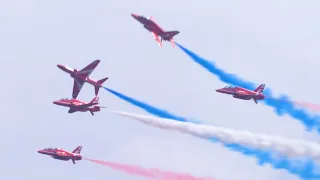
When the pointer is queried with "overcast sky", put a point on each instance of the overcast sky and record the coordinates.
(274, 42)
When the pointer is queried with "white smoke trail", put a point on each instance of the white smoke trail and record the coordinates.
(290, 148)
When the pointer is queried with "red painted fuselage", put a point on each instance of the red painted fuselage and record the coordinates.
(60, 154)
(73, 73)
(76, 105)
(82, 76)
(244, 94)
(155, 29)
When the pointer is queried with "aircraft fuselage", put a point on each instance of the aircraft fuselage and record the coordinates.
(73, 73)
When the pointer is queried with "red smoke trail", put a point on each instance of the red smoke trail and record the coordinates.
(148, 173)
(309, 106)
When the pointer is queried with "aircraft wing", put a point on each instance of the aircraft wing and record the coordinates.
(77, 86)
(72, 110)
(83, 73)
(156, 37)
(86, 105)
(64, 154)
(244, 93)
(86, 71)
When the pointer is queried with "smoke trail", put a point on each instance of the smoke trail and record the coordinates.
(290, 148)
(148, 173)
(309, 106)
(303, 169)
(281, 106)
(146, 107)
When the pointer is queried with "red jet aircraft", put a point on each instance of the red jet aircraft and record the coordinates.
(156, 30)
(76, 105)
(82, 76)
(242, 93)
(59, 153)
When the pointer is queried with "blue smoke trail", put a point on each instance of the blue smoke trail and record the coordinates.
(281, 105)
(305, 170)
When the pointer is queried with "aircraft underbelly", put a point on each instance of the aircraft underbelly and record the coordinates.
(61, 158)
(90, 81)
(242, 97)
(154, 29)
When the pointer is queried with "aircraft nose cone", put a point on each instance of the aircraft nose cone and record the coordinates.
(55, 102)
(40, 151)
(134, 15)
(59, 66)
(218, 90)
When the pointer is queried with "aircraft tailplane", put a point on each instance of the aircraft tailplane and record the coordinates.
(168, 36)
(100, 82)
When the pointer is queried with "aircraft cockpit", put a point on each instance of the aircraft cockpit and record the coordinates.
(49, 149)
(228, 87)
(65, 99)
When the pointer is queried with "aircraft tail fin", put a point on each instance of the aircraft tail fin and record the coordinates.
(77, 150)
(94, 100)
(100, 82)
(260, 88)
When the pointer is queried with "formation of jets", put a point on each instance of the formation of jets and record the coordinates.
(80, 77)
